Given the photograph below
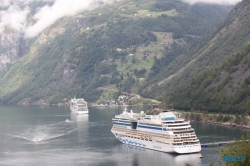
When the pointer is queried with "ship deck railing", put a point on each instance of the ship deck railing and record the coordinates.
(175, 121)
(182, 138)
(182, 130)
(176, 124)
(185, 140)
(185, 135)
(137, 136)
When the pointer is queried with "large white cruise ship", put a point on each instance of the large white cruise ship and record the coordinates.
(165, 132)
(79, 106)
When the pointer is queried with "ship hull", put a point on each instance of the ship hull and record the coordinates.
(146, 144)
(82, 112)
(162, 147)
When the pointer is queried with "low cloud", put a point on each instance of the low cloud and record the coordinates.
(221, 2)
(5, 3)
(48, 15)
(14, 13)
(13, 17)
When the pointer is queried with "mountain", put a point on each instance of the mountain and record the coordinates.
(113, 45)
(12, 46)
(222, 89)
(229, 37)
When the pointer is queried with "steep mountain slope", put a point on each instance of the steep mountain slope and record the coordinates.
(112, 45)
(12, 46)
(221, 89)
(230, 36)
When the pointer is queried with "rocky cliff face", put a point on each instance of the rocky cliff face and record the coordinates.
(12, 46)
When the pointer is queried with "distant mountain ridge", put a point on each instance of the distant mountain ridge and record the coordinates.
(115, 45)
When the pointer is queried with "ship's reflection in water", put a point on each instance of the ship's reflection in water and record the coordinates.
(134, 155)
(79, 118)
(82, 124)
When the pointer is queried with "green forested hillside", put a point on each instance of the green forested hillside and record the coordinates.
(114, 45)
(221, 89)
(229, 37)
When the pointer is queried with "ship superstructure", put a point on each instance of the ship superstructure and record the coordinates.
(79, 106)
(166, 132)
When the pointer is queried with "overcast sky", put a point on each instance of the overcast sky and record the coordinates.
(15, 13)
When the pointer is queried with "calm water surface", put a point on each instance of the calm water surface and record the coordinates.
(87, 140)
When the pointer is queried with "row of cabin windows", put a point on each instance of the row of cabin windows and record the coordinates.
(185, 140)
(140, 138)
(177, 125)
(186, 143)
(181, 129)
(173, 122)
(185, 132)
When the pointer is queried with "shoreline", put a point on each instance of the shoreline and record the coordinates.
(230, 125)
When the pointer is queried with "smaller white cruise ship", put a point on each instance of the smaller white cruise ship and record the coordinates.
(166, 132)
(79, 106)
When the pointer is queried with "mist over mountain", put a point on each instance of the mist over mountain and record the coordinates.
(54, 50)
(32, 16)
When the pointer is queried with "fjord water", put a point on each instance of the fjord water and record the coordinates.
(87, 140)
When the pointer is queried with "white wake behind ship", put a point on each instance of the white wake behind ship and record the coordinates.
(165, 132)
(79, 106)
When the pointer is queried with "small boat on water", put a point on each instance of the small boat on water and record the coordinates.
(166, 132)
(79, 106)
